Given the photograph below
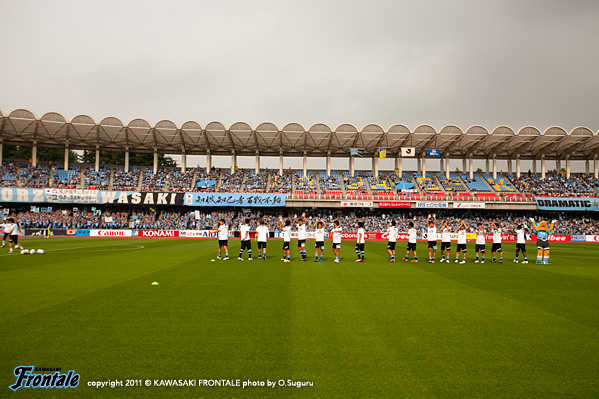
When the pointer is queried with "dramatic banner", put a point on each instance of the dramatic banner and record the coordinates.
(227, 199)
(567, 204)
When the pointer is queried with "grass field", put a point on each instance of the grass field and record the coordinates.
(370, 329)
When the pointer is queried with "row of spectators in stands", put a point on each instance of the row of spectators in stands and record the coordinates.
(175, 180)
(67, 219)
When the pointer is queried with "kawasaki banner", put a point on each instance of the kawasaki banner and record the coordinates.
(228, 199)
(567, 204)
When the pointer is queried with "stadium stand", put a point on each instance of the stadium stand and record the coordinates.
(500, 184)
(280, 183)
(69, 178)
(179, 181)
(34, 177)
(426, 183)
(8, 175)
(330, 187)
(452, 184)
(125, 181)
(207, 182)
(151, 181)
(477, 183)
(256, 182)
(96, 180)
(553, 185)
(230, 182)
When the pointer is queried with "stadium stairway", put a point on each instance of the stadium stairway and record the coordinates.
(342, 186)
(194, 179)
(82, 179)
(268, 181)
(293, 182)
(141, 180)
(243, 180)
(220, 179)
(111, 180)
(438, 183)
(317, 181)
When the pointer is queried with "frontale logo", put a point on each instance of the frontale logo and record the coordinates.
(27, 379)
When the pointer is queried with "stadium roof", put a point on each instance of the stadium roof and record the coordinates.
(23, 127)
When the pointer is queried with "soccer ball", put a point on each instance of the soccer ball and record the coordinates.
(32, 252)
(40, 251)
(24, 251)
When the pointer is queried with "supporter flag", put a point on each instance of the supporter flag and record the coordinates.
(433, 153)
(382, 153)
(152, 210)
(356, 152)
(408, 152)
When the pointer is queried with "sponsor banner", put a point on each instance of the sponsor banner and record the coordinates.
(578, 238)
(197, 234)
(71, 232)
(554, 238)
(310, 235)
(44, 232)
(110, 233)
(395, 204)
(135, 198)
(82, 233)
(227, 199)
(469, 205)
(158, 233)
(567, 204)
(592, 238)
(357, 204)
(420, 204)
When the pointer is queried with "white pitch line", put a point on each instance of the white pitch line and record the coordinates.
(137, 246)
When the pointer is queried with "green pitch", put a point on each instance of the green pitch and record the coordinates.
(372, 329)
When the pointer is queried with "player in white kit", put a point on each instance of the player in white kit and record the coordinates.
(462, 240)
(392, 240)
(445, 242)
(246, 242)
(337, 230)
(261, 238)
(479, 247)
(496, 247)
(432, 237)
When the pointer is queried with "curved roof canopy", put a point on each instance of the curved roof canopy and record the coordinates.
(23, 127)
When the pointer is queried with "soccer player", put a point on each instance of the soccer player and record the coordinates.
(286, 228)
(223, 238)
(432, 237)
(337, 230)
(462, 240)
(261, 237)
(6, 226)
(543, 232)
(445, 242)
(479, 247)
(496, 247)
(412, 240)
(301, 235)
(13, 237)
(360, 241)
(246, 242)
(392, 237)
(319, 246)
(521, 243)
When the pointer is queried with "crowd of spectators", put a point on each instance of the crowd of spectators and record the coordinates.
(99, 180)
(373, 221)
(180, 182)
(280, 183)
(151, 181)
(35, 177)
(8, 174)
(125, 181)
(256, 182)
(230, 182)
(555, 185)
(202, 178)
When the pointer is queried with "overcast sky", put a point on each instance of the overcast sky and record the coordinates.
(459, 62)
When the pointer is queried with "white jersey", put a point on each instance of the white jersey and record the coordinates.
(244, 232)
(412, 236)
(497, 236)
(361, 238)
(7, 227)
(520, 237)
(445, 237)
(432, 233)
(262, 233)
(14, 229)
(462, 236)
(287, 233)
(223, 232)
(319, 233)
(337, 235)
(392, 233)
(301, 232)
(480, 237)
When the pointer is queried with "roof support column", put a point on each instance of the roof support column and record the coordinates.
(509, 166)
(595, 166)
(305, 164)
(34, 154)
(518, 166)
(534, 166)
(328, 164)
(97, 166)
(257, 162)
(471, 167)
(447, 167)
(208, 161)
(418, 166)
(351, 166)
(586, 166)
(155, 160)
(494, 166)
(399, 166)
(487, 166)
(66, 156)
(442, 165)
(0, 152)
(423, 160)
(126, 159)
(183, 162)
(280, 163)
(375, 167)
(233, 162)
(558, 165)
(567, 166)
(542, 166)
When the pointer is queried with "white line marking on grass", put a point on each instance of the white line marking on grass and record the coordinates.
(131, 247)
